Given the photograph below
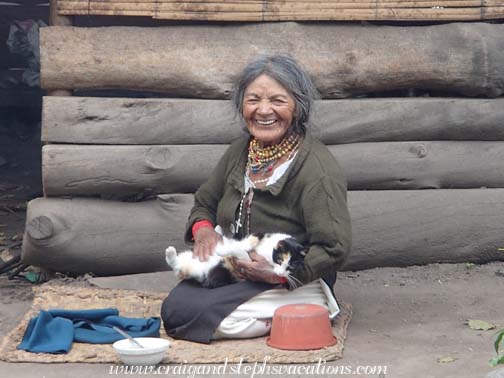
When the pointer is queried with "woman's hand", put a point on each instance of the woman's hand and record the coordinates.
(259, 269)
(205, 241)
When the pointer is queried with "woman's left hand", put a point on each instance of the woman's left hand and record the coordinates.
(258, 270)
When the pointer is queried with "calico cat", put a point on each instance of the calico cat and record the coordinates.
(284, 253)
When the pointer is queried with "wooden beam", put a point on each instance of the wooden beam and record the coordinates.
(90, 120)
(93, 240)
(282, 10)
(344, 60)
(58, 20)
(122, 171)
(55, 19)
(390, 228)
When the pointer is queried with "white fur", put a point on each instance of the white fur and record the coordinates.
(186, 266)
(268, 243)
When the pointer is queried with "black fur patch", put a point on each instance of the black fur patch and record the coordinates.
(293, 248)
(217, 277)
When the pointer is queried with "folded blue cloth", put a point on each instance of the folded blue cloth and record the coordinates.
(54, 331)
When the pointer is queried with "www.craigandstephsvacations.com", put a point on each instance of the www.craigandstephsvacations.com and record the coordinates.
(250, 370)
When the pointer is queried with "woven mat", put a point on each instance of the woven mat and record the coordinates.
(143, 304)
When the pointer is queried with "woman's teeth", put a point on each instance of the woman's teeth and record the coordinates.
(265, 123)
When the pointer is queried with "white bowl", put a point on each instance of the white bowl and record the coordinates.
(152, 354)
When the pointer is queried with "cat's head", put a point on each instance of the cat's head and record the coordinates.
(288, 256)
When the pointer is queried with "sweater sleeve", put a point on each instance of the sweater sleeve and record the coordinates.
(327, 222)
(207, 197)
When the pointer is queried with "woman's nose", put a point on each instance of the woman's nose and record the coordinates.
(264, 107)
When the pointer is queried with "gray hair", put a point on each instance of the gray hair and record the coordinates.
(285, 70)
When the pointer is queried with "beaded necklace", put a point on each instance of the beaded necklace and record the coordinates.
(263, 159)
(258, 181)
(247, 197)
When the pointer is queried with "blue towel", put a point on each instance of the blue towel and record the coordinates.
(54, 331)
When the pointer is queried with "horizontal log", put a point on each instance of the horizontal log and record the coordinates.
(260, 8)
(203, 61)
(276, 10)
(126, 170)
(121, 171)
(390, 228)
(289, 3)
(90, 120)
(103, 237)
(389, 14)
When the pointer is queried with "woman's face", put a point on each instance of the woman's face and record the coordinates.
(267, 110)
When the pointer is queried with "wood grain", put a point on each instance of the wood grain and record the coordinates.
(122, 171)
(288, 10)
(203, 61)
(390, 228)
(90, 120)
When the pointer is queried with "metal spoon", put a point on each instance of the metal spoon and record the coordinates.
(128, 337)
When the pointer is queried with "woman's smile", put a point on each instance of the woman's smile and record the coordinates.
(266, 122)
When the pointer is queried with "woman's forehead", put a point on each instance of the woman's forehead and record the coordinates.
(265, 84)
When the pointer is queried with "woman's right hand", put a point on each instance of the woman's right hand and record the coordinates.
(205, 241)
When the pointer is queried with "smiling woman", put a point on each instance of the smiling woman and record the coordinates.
(277, 180)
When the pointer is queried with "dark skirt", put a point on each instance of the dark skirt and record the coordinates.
(193, 313)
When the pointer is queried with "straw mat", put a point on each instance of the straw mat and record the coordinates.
(144, 304)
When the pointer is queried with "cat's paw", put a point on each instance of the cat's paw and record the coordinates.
(219, 230)
(171, 255)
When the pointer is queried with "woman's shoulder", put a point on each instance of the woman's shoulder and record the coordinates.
(235, 155)
(237, 146)
(320, 160)
(320, 169)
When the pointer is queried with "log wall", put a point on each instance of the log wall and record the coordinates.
(88, 120)
(281, 10)
(390, 148)
(390, 228)
(203, 61)
(79, 170)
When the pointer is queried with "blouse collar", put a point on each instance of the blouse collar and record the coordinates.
(236, 175)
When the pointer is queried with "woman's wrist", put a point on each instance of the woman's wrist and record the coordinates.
(199, 225)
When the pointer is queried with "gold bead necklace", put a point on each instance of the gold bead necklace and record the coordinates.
(264, 158)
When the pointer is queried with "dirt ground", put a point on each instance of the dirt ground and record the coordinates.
(408, 322)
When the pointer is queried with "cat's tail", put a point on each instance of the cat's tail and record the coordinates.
(171, 256)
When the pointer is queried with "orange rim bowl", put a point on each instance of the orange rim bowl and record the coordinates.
(301, 327)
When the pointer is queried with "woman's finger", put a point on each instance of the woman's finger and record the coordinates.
(254, 256)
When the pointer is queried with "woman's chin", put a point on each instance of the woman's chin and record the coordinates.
(268, 136)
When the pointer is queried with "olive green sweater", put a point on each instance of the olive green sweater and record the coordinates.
(307, 202)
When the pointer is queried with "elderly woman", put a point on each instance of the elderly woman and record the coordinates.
(277, 179)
